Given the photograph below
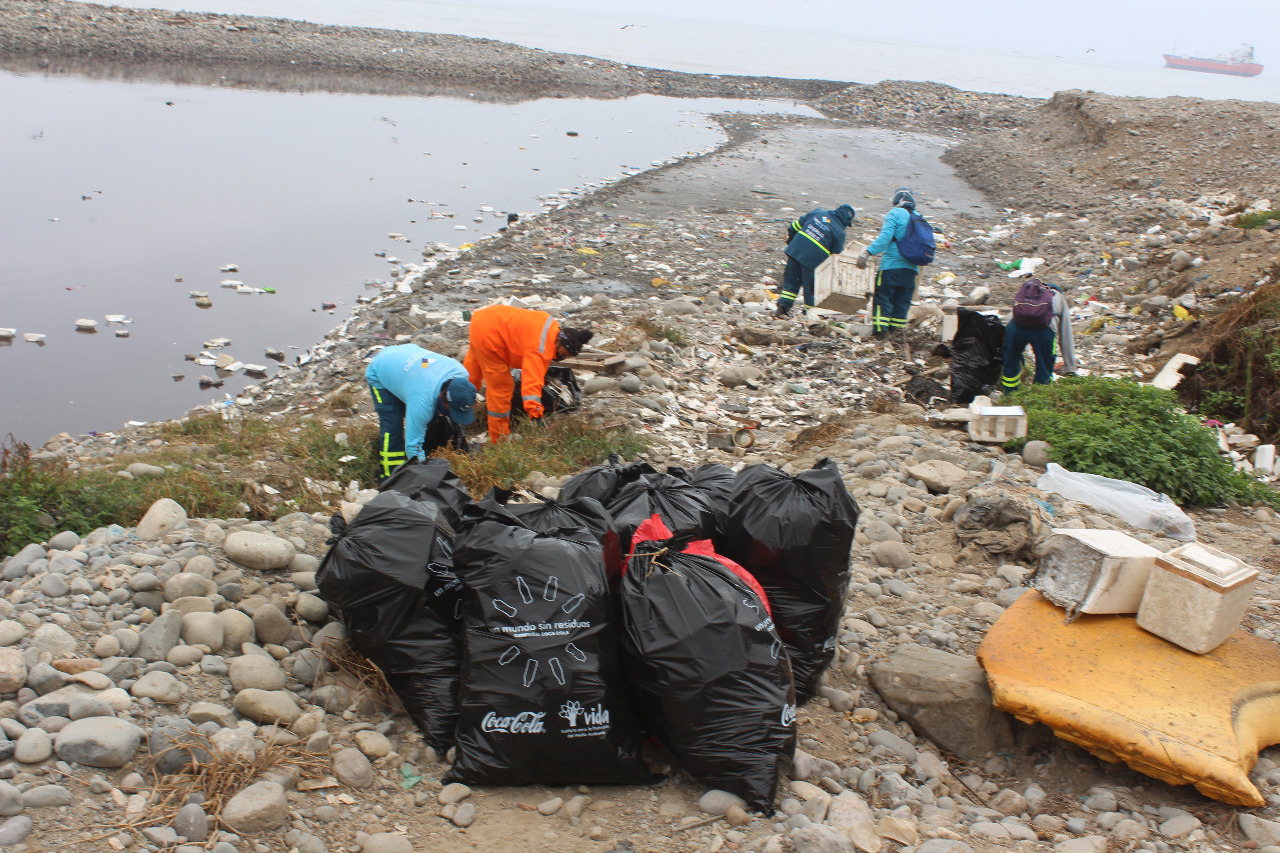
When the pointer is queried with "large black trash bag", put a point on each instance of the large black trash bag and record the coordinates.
(686, 509)
(551, 517)
(977, 355)
(603, 481)
(793, 534)
(708, 669)
(543, 701)
(713, 480)
(397, 596)
(433, 482)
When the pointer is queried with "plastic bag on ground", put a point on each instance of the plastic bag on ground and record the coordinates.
(794, 534)
(977, 355)
(710, 673)
(543, 701)
(560, 392)
(397, 596)
(1136, 505)
(715, 481)
(603, 481)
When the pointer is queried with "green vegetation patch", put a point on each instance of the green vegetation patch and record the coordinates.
(1126, 431)
(1257, 219)
(559, 446)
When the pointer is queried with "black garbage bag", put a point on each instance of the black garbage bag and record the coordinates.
(686, 509)
(708, 669)
(603, 481)
(560, 392)
(431, 481)
(397, 596)
(715, 481)
(543, 700)
(977, 355)
(553, 517)
(793, 534)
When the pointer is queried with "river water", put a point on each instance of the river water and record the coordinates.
(115, 190)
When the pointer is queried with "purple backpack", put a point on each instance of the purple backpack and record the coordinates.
(1033, 305)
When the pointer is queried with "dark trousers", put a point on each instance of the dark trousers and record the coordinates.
(894, 289)
(1016, 339)
(795, 279)
(389, 453)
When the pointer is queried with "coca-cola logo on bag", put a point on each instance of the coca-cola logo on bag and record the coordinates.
(788, 714)
(527, 723)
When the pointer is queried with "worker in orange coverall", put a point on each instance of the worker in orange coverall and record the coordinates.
(504, 338)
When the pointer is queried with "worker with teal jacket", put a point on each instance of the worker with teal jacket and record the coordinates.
(896, 281)
(422, 399)
(811, 239)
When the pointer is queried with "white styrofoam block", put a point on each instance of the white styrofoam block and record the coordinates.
(997, 424)
(1264, 458)
(1196, 596)
(1094, 571)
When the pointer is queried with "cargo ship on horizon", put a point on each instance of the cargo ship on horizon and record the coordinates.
(1238, 63)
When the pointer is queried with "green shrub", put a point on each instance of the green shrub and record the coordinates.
(41, 498)
(1126, 431)
(1257, 219)
(559, 446)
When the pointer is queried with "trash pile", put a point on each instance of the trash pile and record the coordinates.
(517, 632)
(1116, 674)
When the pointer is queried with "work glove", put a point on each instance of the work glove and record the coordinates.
(861, 260)
(533, 409)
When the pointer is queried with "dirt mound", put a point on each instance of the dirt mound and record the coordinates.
(928, 105)
(1082, 145)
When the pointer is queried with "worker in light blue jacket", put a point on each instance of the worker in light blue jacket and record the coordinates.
(896, 281)
(422, 399)
(811, 239)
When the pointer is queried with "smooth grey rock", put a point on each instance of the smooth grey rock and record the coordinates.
(944, 845)
(945, 697)
(15, 830)
(98, 742)
(10, 800)
(311, 608)
(257, 672)
(164, 516)
(203, 629)
(1265, 832)
(271, 625)
(11, 632)
(387, 842)
(352, 768)
(16, 566)
(237, 629)
(260, 551)
(175, 745)
(33, 746)
(156, 640)
(46, 797)
(1037, 453)
(717, 802)
(51, 639)
(13, 670)
(188, 585)
(159, 687)
(268, 707)
(892, 555)
(258, 808)
(191, 822)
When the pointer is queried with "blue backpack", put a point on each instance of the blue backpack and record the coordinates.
(917, 246)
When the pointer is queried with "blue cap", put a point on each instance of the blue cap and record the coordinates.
(462, 401)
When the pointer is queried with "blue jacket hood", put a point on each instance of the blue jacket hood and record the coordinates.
(844, 214)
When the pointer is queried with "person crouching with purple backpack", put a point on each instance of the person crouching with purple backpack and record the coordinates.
(1039, 312)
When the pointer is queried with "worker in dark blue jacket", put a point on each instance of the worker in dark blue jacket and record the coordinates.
(811, 239)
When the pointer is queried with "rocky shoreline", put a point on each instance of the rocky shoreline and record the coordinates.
(119, 643)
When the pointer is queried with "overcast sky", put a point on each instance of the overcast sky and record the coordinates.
(1114, 29)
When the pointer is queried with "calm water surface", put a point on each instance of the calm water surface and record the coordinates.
(112, 190)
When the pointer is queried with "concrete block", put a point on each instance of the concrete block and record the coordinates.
(1196, 596)
(1094, 571)
(996, 424)
(1264, 459)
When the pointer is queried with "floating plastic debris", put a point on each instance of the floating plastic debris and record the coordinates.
(229, 268)
(33, 337)
(7, 334)
(198, 294)
(217, 342)
(231, 282)
(86, 325)
(119, 318)
(122, 333)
